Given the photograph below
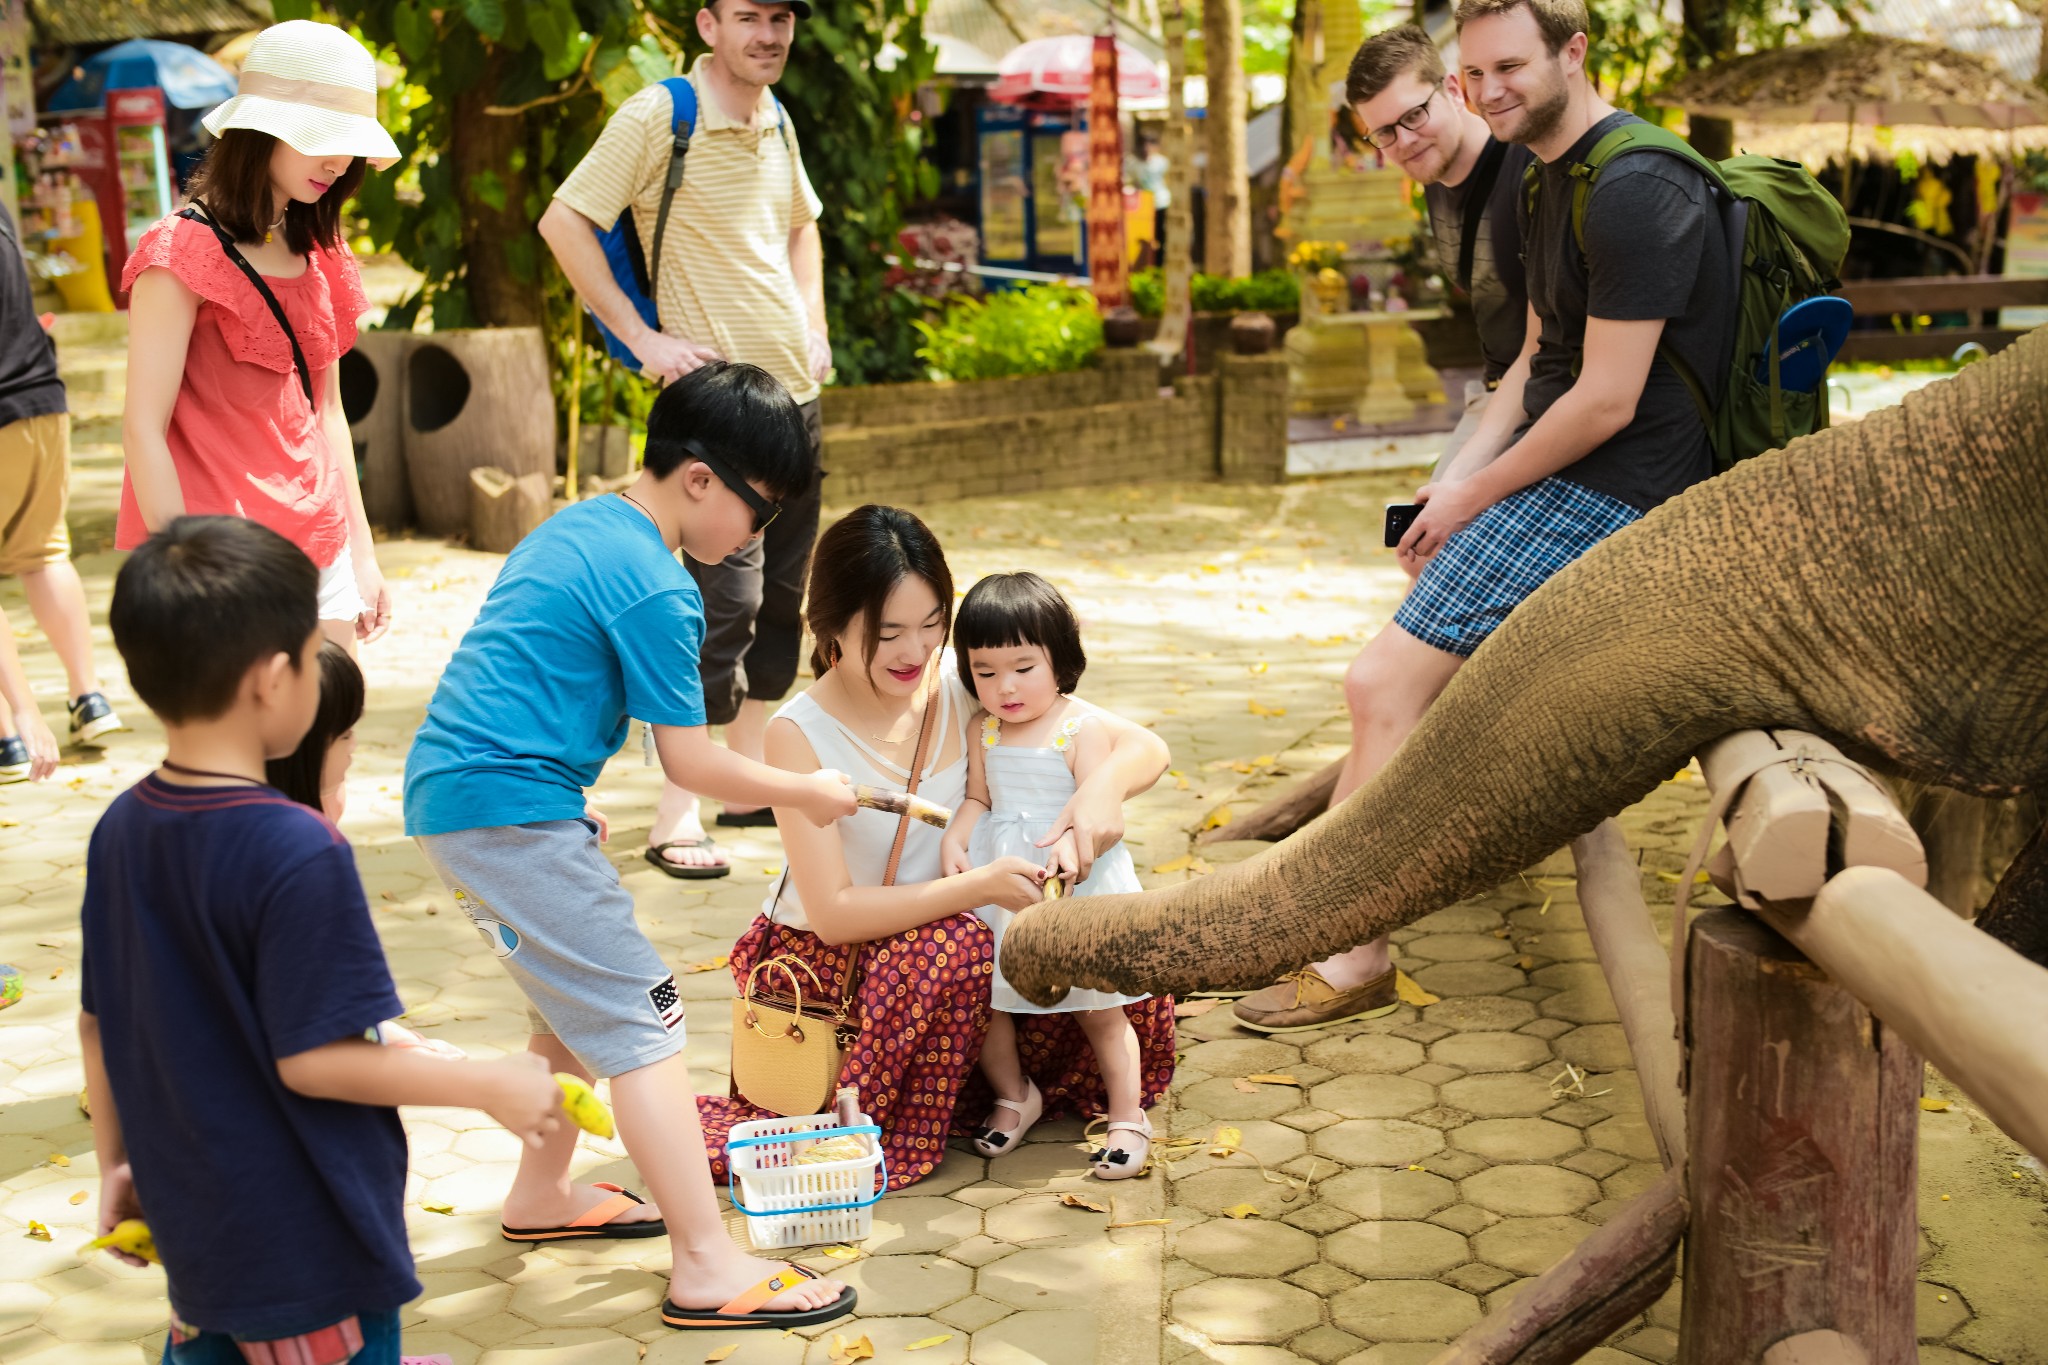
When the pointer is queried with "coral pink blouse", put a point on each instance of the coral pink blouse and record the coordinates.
(243, 438)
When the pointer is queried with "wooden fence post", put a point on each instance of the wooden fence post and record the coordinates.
(1802, 1109)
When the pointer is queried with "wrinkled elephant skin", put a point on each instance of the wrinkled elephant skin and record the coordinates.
(1884, 584)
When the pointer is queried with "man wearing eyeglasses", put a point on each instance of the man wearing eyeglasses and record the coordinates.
(1414, 113)
(740, 277)
(1593, 427)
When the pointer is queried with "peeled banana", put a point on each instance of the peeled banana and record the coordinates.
(130, 1235)
(589, 1112)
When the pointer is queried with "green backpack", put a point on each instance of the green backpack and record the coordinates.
(1786, 240)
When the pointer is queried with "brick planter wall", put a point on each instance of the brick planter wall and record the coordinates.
(1109, 423)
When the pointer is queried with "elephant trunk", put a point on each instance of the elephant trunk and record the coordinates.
(1853, 584)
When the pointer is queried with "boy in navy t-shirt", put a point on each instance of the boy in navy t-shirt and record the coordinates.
(230, 976)
(593, 620)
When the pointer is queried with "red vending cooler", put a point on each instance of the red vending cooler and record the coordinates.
(123, 159)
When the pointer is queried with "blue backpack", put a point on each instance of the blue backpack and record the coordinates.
(621, 241)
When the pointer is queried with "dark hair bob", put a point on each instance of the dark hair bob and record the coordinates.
(297, 774)
(1020, 609)
(233, 183)
(859, 561)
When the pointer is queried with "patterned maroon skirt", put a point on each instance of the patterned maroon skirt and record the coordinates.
(923, 1009)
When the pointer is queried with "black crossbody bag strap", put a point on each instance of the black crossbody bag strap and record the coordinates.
(234, 253)
(1476, 196)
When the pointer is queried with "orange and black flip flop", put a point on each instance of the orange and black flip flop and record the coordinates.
(596, 1221)
(745, 1311)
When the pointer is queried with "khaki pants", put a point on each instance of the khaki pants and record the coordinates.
(35, 479)
(1476, 396)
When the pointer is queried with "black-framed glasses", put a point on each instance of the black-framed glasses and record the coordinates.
(1413, 120)
(764, 511)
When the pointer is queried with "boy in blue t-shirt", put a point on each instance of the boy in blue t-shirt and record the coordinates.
(230, 975)
(593, 620)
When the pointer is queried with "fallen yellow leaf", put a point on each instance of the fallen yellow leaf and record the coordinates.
(438, 1208)
(1075, 1201)
(1273, 1078)
(722, 1353)
(844, 1253)
(1526, 963)
(1544, 908)
(771, 872)
(1668, 877)
(860, 1348)
(1263, 759)
(1227, 1140)
(1934, 1106)
(1259, 667)
(1410, 993)
(1212, 568)
(1259, 710)
(923, 1342)
(77, 1197)
(709, 964)
(1217, 818)
(1043, 543)
(1241, 1211)
(59, 1159)
(42, 1234)
(1180, 864)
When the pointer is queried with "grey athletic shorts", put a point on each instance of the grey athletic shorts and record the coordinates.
(550, 905)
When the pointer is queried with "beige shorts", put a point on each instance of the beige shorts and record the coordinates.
(35, 480)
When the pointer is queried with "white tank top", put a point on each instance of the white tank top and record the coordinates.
(867, 835)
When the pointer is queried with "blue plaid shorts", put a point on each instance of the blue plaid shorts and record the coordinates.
(1488, 569)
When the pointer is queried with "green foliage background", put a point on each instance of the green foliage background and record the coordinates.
(462, 205)
(1040, 329)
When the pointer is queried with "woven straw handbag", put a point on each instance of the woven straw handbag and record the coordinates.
(788, 1052)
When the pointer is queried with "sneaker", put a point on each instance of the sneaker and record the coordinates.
(92, 717)
(1303, 1000)
(14, 760)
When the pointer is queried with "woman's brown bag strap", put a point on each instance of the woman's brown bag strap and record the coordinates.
(917, 762)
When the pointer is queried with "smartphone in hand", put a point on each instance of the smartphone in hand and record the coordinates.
(1400, 516)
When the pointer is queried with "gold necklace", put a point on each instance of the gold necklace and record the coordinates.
(911, 714)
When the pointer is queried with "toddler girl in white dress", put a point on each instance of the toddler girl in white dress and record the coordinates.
(1019, 649)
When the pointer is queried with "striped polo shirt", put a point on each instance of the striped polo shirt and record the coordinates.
(724, 278)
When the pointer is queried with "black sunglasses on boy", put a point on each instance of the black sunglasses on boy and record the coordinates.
(764, 511)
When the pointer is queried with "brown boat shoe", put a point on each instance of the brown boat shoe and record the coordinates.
(1303, 1000)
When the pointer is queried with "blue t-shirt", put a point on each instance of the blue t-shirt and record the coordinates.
(225, 927)
(592, 621)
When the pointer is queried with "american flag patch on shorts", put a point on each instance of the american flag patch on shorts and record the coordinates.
(668, 1004)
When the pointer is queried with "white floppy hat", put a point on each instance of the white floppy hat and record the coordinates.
(314, 88)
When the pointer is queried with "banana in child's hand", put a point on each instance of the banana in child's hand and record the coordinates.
(584, 1106)
(130, 1235)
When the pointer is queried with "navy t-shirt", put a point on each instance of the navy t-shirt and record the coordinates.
(225, 927)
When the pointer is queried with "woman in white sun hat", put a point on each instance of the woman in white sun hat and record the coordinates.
(241, 305)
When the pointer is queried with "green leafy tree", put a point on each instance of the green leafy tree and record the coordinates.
(501, 99)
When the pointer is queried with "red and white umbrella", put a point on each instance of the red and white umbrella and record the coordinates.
(1059, 71)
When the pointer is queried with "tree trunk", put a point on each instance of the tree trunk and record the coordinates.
(497, 238)
(1229, 220)
(1179, 264)
(1708, 36)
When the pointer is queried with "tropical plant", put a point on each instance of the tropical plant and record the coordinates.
(501, 98)
(1041, 329)
(1269, 291)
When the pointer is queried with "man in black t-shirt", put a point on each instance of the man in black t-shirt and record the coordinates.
(1414, 112)
(1607, 429)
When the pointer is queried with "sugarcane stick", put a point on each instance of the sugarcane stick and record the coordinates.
(902, 803)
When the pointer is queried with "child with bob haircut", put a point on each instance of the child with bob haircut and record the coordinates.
(1018, 647)
(230, 974)
(592, 621)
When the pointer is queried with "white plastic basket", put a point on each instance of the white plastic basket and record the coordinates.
(790, 1204)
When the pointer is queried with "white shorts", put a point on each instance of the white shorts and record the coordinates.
(340, 598)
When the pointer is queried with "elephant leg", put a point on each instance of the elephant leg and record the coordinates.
(2018, 913)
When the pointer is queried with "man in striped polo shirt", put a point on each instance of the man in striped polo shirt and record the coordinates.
(741, 277)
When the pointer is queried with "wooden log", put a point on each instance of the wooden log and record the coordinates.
(503, 509)
(1609, 1278)
(474, 398)
(1816, 1348)
(1637, 970)
(1803, 1113)
(1976, 1008)
(1789, 815)
(1940, 343)
(1283, 815)
(373, 400)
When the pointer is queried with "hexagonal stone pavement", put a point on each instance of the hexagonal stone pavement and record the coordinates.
(1421, 1165)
